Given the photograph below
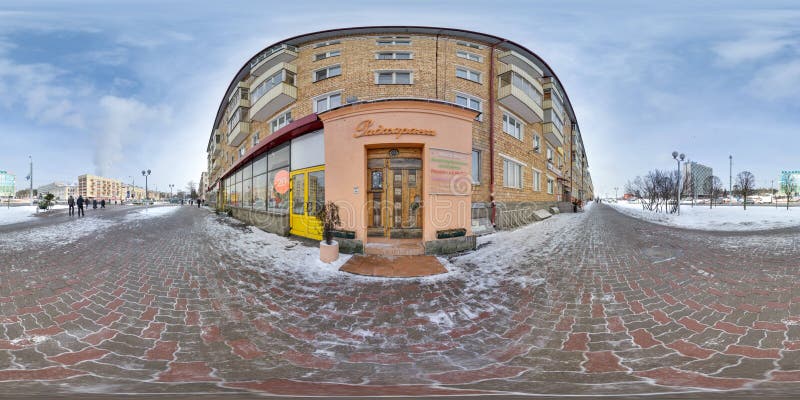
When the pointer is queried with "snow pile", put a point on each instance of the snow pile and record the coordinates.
(516, 255)
(14, 215)
(151, 212)
(270, 253)
(54, 235)
(723, 218)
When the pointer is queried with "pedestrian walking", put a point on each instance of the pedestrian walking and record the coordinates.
(103, 203)
(94, 204)
(71, 204)
(198, 203)
(80, 206)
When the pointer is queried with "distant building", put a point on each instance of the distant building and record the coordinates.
(98, 187)
(695, 174)
(7, 184)
(60, 190)
(794, 175)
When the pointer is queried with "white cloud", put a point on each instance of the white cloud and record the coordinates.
(778, 81)
(757, 45)
(122, 122)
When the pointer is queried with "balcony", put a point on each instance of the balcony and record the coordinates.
(521, 62)
(273, 100)
(271, 57)
(520, 95)
(239, 132)
(552, 135)
(552, 168)
(216, 147)
(240, 96)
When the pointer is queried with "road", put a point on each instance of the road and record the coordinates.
(131, 303)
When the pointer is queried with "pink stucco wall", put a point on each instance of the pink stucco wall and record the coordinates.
(346, 162)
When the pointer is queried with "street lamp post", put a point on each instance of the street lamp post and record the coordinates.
(679, 158)
(170, 192)
(145, 174)
(616, 194)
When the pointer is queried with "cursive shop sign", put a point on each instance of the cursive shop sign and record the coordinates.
(367, 128)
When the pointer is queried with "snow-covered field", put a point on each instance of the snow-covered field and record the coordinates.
(18, 214)
(725, 218)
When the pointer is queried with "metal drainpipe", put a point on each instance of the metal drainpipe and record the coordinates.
(492, 96)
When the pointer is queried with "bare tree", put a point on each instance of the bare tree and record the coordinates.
(746, 182)
(713, 186)
(789, 186)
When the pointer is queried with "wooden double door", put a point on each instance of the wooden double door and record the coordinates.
(394, 193)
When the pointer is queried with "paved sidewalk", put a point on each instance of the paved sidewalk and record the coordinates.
(153, 305)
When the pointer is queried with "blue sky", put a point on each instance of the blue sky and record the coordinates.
(115, 87)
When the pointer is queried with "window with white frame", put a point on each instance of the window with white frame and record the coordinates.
(242, 150)
(327, 72)
(393, 40)
(469, 56)
(550, 154)
(537, 180)
(327, 101)
(469, 44)
(512, 174)
(470, 102)
(328, 54)
(468, 74)
(256, 137)
(512, 125)
(281, 121)
(537, 142)
(476, 167)
(394, 78)
(328, 43)
(394, 55)
(551, 185)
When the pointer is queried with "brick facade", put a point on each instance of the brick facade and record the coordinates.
(433, 64)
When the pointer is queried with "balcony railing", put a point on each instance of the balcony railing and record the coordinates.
(273, 96)
(271, 57)
(521, 95)
(238, 127)
(552, 134)
(520, 61)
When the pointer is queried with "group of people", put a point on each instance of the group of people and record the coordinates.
(83, 203)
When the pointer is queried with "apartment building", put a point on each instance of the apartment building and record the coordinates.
(7, 184)
(100, 188)
(60, 190)
(423, 135)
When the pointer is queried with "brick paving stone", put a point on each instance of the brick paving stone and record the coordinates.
(192, 313)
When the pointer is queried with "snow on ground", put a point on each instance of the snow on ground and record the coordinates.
(18, 214)
(151, 212)
(513, 255)
(501, 257)
(54, 235)
(724, 218)
(284, 255)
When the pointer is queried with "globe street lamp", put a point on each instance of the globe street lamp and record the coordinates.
(679, 158)
(145, 174)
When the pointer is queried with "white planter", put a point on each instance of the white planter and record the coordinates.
(328, 253)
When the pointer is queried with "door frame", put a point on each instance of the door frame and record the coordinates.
(386, 207)
(304, 225)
